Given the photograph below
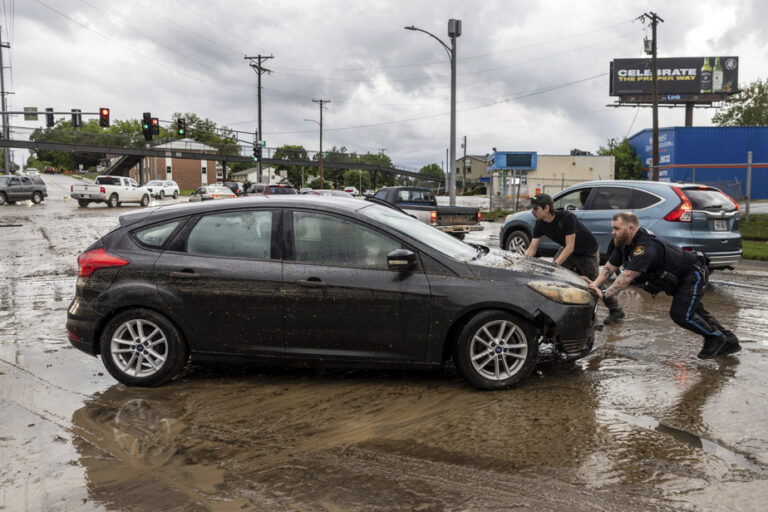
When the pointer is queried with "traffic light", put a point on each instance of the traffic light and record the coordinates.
(256, 153)
(181, 126)
(77, 120)
(104, 117)
(49, 117)
(146, 126)
(155, 126)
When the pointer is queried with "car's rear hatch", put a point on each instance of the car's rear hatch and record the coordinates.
(714, 223)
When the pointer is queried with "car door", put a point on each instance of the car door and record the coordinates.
(603, 203)
(14, 190)
(222, 275)
(341, 300)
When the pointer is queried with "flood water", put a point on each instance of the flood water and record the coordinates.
(640, 424)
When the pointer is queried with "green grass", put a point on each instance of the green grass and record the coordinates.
(496, 214)
(754, 250)
(756, 228)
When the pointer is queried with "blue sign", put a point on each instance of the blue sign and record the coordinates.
(512, 160)
(674, 97)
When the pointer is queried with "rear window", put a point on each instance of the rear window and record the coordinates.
(107, 180)
(709, 199)
(156, 236)
(281, 190)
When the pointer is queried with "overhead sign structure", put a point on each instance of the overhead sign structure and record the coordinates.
(676, 76)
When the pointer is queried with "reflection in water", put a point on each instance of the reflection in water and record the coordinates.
(343, 440)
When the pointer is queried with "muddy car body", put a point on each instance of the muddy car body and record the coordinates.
(316, 281)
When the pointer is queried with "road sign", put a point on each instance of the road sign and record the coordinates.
(32, 116)
(261, 143)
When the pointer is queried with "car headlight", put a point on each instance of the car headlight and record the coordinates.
(561, 292)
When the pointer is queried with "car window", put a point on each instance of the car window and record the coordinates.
(611, 198)
(107, 180)
(155, 184)
(381, 194)
(132, 183)
(421, 196)
(155, 236)
(4, 180)
(15, 181)
(573, 200)
(281, 190)
(240, 234)
(26, 181)
(334, 241)
(709, 199)
(642, 199)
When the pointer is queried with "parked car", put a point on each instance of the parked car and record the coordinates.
(113, 190)
(695, 217)
(161, 189)
(211, 192)
(235, 186)
(22, 188)
(327, 192)
(267, 189)
(48, 169)
(422, 204)
(301, 278)
(352, 190)
(30, 171)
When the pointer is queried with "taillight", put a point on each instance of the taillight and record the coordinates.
(102, 190)
(681, 213)
(214, 196)
(71, 188)
(479, 216)
(433, 216)
(89, 262)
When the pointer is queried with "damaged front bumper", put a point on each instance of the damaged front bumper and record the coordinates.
(570, 328)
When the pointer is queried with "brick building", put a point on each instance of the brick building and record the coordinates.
(188, 174)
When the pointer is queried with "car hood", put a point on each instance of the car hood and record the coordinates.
(494, 263)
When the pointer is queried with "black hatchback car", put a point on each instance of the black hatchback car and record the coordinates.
(318, 281)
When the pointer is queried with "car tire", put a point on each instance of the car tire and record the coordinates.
(3, 198)
(496, 350)
(145, 200)
(83, 203)
(517, 241)
(113, 201)
(175, 194)
(161, 357)
(37, 198)
(162, 194)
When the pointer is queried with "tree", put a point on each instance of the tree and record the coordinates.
(292, 152)
(431, 170)
(747, 108)
(628, 164)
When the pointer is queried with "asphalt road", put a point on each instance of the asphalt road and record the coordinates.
(640, 424)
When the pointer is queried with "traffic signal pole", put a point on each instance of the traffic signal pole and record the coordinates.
(6, 134)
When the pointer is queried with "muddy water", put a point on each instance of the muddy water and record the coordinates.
(640, 424)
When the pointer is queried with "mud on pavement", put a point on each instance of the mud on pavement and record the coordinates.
(640, 424)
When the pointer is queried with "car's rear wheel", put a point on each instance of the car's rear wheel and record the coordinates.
(145, 200)
(83, 203)
(496, 350)
(3, 199)
(37, 197)
(162, 194)
(113, 201)
(518, 241)
(141, 347)
(175, 194)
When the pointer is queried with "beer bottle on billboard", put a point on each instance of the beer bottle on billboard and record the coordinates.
(717, 76)
(705, 80)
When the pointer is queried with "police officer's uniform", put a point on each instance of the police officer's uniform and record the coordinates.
(664, 267)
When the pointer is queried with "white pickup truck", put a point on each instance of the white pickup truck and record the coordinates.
(113, 190)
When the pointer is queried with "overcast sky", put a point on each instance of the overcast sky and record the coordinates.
(532, 76)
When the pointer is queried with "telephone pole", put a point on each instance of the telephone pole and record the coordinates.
(464, 166)
(320, 155)
(654, 19)
(260, 70)
(6, 129)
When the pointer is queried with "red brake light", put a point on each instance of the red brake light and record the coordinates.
(91, 261)
(433, 216)
(71, 188)
(102, 190)
(479, 216)
(682, 212)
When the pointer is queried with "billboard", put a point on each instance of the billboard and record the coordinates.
(683, 75)
(512, 160)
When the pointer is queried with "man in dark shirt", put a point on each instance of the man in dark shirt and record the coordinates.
(578, 252)
(661, 266)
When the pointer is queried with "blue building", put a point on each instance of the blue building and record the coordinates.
(689, 146)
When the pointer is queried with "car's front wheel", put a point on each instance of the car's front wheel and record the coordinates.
(141, 347)
(496, 350)
(145, 200)
(518, 241)
(175, 194)
(162, 194)
(37, 197)
(113, 201)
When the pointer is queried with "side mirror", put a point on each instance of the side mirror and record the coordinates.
(401, 260)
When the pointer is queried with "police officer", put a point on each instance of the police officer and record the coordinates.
(578, 252)
(661, 266)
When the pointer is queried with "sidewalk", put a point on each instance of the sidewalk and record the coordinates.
(752, 265)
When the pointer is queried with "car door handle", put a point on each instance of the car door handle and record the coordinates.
(312, 282)
(187, 273)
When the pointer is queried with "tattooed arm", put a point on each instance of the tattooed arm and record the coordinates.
(621, 282)
(605, 274)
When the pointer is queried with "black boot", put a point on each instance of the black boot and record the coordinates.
(614, 316)
(731, 344)
(712, 345)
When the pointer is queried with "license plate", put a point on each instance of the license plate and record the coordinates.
(721, 225)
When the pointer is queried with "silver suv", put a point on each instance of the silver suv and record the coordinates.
(22, 188)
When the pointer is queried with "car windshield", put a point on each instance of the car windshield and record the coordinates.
(155, 184)
(414, 228)
(107, 180)
(709, 199)
(281, 190)
(4, 180)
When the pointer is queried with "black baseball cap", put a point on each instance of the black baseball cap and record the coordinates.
(541, 200)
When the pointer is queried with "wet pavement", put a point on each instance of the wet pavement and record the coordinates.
(640, 424)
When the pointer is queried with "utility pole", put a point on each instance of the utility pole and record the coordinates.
(260, 70)
(654, 19)
(320, 155)
(6, 129)
(464, 166)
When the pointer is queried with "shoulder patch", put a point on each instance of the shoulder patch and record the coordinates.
(639, 251)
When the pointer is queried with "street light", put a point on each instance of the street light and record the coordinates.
(320, 153)
(454, 31)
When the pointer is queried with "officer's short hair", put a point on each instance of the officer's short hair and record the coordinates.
(627, 218)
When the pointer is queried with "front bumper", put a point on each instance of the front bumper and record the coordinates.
(569, 327)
